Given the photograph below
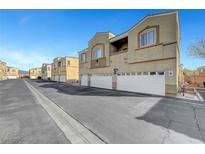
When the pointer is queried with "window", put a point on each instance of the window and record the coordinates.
(160, 73)
(97, 53)
(148, 37)
(68, 63)
(145, 73)
(139, 73)
(83, 58)
(152, 73)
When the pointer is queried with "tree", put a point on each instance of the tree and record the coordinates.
(197, 49)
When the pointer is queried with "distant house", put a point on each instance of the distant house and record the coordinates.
(3, 69)
(35, 73)
(65, 69)
(46, 71)
(12, 73)
(195, 77)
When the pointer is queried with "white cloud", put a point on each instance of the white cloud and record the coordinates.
(24, 60)
(24, 20)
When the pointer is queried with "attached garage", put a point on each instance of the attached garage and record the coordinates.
(56, 78)
(33, 77)
(150, 84)
(84, 80)
(11, 77)
(101, 81)
(62, 78)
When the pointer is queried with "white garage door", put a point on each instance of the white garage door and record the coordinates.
(62, 78)
(32, 77)
(84, 80)
(101, 81)
(150, 84)
(56, 78)
(11, 77)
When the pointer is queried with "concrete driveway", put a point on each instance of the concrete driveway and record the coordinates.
(202, 93)
(121, 117)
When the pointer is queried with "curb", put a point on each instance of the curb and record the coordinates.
(198, 95)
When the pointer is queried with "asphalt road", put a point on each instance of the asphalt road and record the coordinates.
(115, 117)
(22, 120)
(120, 117)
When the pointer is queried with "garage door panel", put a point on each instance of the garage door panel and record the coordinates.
(84, 80)
(101, 81)
(11, 77)
(62, 78)
(56, 78)
(151, 84)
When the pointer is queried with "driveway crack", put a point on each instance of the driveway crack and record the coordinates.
(168, 133)
(197, 123)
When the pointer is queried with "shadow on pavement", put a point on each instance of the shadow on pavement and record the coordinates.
(88, 91)
(175, 116)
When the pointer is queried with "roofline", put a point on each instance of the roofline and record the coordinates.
(118, 37)
(2, 62)
(12, 67)
(146, 17)
(154, 15)
(83, 51)
(71, 57)
(102, 33)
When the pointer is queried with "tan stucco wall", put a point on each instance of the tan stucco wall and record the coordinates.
(70, 71)
(164, 56)
(35, 72)
(46, 71)
(3, 68)
(11, 71)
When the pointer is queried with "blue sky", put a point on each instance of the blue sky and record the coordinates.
(30, 37)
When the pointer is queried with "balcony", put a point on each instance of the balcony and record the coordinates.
(98, 63)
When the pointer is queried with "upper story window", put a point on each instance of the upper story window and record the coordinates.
(83, 58)
(97, 53)
(68, 63)
(148, 37)
(48, 68)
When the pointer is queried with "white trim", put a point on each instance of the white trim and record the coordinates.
(147, 31)
(119, 37)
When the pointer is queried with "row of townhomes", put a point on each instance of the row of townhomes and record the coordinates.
(63, 69)
(7, 72)
(144, 59)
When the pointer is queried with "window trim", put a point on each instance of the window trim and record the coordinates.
(156, 27)
(94, 50)
(146, 31)
(85, 57)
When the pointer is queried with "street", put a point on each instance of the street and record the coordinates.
(110, 116)
(22, 120)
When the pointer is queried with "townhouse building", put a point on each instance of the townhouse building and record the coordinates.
(144, 59)
(12, 73)
(65, 69)
(46, 71)
(35, 73)
(3, 68)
